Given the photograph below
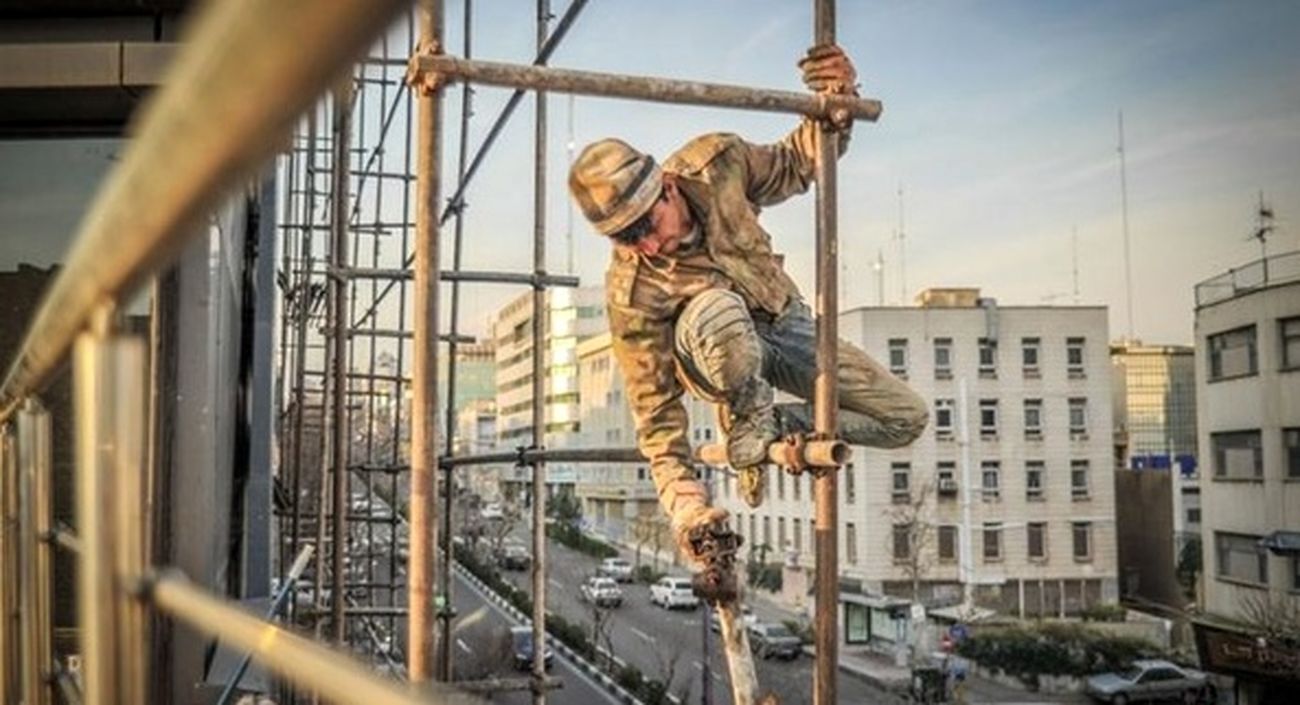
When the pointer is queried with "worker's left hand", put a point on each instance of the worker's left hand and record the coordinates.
(827, 69)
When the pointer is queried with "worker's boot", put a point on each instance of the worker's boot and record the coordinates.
(750, 425)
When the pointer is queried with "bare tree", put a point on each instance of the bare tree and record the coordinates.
(667, 671)
(1272, 616)
(499, 528)
(914, 529)
(649, 530)
(601, 623)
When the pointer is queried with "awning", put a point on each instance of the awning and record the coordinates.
(1285, 543)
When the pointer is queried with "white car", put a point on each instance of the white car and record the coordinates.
(601, 592)
(615, 568)
(671, 593)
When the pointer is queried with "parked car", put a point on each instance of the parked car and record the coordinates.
(615, 568)
(747, 618)
(768, 639)
(1149, 680)
(515, 557)
(671, 593)
(602, 592)
(521, 645)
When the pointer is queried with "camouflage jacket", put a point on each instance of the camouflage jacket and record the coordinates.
(726, 181)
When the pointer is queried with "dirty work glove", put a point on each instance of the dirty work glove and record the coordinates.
(827, 69)
(685, 520)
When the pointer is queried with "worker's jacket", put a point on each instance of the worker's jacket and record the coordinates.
(726, 182)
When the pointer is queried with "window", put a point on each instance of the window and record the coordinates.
(767, 531)
(851, 543)
(1029, 356)
(708, 434)
(1036, 538)
(1233, 353)
(1079, 479)
(780, 485)
(902, 542)
(797, 488)
(992, 542)
(988, 358)
(900, 474)
(1193, 515)
(1238, 455)
(640, 474)
(946, 474)
(850, 486)
(1074, 357)
(1288, 334)
(1291, 452)
(1082, 531)
(780, 533)
(1034, 480)
(753, 529)
(947, 543)
(898, 356)
(943, 418)
(988, 418)
(857, 623)
(991, 481)
(1033, 418)
(740, 525)
(797, 535)
(943, 358)
(1078, 418)
(1240, 557)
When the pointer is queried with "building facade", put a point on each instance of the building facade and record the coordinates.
(1248, 387)
(1007, 498)
(570, 316)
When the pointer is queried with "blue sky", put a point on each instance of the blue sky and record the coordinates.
(999, 124)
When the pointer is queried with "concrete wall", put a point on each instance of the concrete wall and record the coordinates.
(1144, 528)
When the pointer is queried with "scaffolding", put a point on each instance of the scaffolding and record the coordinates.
(350, 186)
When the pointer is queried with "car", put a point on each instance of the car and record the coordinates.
(671, 593)
(747, 618)
(491, 511)
(768, 639)
(521, 645)
(515, 557)
(601, 592)
(1148, 680)
(615, 568)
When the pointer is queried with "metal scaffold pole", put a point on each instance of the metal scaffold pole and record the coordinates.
(424, 405)
(826, 391)
(339, 361)
(539, 380)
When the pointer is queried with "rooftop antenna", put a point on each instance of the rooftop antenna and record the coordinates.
(1123, 191)
(902, 251)
(1074, 254)
(879, 267)
(1264, 226)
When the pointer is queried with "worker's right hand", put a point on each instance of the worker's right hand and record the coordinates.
(827, 69)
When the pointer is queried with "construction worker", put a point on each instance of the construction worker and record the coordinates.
(698, 300)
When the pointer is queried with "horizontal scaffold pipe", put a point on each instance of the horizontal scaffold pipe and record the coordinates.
(527, 456)
(468, 276)
(227, 103)
(311, 666)
(659, 90)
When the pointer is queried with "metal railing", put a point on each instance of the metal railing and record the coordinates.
(227, 105)
(1263, 272)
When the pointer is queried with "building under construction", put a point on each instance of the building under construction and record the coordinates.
(228, 465)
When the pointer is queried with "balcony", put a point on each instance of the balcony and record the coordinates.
(1259, 274)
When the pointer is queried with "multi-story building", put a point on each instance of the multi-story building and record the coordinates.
(570, 316)
(476, 371)
(1155, 421)
(619, 499)
(476, 432)
(1008, 493)
(1248, 413)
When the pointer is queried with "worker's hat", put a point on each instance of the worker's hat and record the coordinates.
(614, 184)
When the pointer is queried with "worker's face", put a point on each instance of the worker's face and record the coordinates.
(670, 221)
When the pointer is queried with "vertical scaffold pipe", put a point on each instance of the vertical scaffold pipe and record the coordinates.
(424, 406)
(539, 383)
(36, 512)
(826, 391)
(339, 343)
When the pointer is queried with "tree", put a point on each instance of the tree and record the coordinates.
(913, 528)
(649, 530)
(565, 509)
(1275, 617)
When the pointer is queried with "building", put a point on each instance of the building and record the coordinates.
(1155, 452)
(619, 500)
(1018, 452)
(476, 432)
(1248, 416)
(476, 370)
(571, 315)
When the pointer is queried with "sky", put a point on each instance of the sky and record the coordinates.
(999, 129)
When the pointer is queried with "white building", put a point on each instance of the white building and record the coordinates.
(615, 495)
(476, 432)
(1248, 392)
(571, 315)
(1018, 452)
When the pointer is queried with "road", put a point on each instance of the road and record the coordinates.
(664, 644)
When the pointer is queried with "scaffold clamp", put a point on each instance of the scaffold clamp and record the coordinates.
(425, 82)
